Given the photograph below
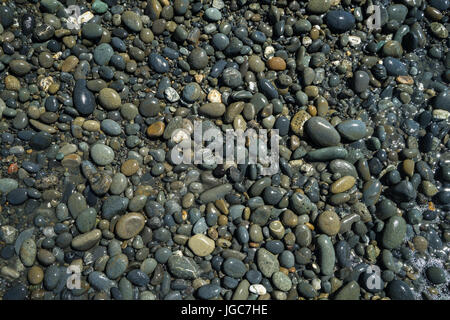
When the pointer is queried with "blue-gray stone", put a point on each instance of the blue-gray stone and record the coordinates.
(220, 41)
(352, 129)
(321, 132)
(340, 20)
(399, 290)
(442, 100)
(86, 220)
(395, 67)
(83, 99)
(7, 185)
(17, 196)
(268, 89)
(208, 291)
(326, 154)
(103, 53)
(100, 281)
(116, 266)
(213, 14)
(158, 63)
(242, 235)
(18, 292)
(234, 268)
(110, 127)
(51, 277)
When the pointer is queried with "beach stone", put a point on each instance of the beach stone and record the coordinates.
(201, 245)
(86, 241)
(7, 185)
(340, 21)
(91, 31)
(234, 268)
(394, 67)
(130, 225)
(281, 281)
(321, 132)
(198, 59)
(100, 281)
(129, 167)
(158, 63)
(110, 127)
(329, 222)
(399, 290)
(255, 64)
(351, 291)
(318, 6)
(327, 256)
(343, 184)
(103, 54)
(19, 67)
(298, 121)
(276, 63)
(109, 99)
(394, 232)
(209, 291)
(86, 220)
(28, 252)
(17, 196)
(138, 278)
(132, 20)
(83, 98)
(212, 109)
(267, 262)
(156, 129)
(102, 154)
(183, 267)
(436, 275)
(352, 130)
(231, 77)
(35, 275)
(213, 14)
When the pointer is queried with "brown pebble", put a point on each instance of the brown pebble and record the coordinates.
(129, 167)
(276, 63)
(156, 129)
(35, 275)
(69, 64)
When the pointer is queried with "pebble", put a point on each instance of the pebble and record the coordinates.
(267, 262)
(352, 130)
(130, 225)
(201, 245)
(394, 232)
(102, 154)
(340, 20)
(321, 132)
(329, 222)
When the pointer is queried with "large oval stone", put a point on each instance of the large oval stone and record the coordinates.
(321, 132)
(201, 245)
(129, 225)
